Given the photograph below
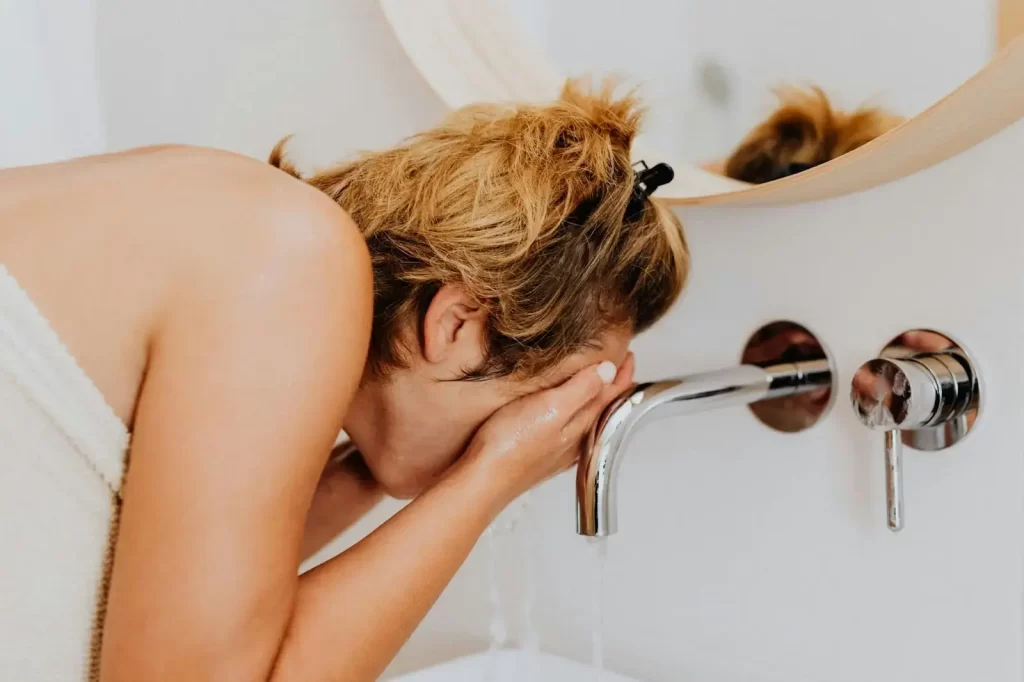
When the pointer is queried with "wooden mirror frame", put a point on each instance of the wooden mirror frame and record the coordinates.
(472, 51)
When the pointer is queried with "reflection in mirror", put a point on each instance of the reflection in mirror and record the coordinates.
(709, 69)
(806, 130)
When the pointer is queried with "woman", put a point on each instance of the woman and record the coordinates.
(452, 303)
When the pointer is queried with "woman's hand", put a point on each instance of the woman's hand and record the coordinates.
(386, 583)
(535, 437)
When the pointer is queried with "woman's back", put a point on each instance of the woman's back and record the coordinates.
(98, 244)
(95, 254)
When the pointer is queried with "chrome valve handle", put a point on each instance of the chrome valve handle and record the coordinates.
(924, 399)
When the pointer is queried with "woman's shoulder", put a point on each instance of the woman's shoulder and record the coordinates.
(249, 239)
(247, 213)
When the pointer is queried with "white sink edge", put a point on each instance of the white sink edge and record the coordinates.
(510, 665)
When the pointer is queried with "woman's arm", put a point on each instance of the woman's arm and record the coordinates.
(345, 493)
(353, 613)
(253, 362)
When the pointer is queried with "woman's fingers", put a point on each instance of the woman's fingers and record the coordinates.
(625, 376)
(539, 433)
(623, 380)
(611, 390)
(586, 416)
(563, 401)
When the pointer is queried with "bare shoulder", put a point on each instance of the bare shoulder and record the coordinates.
(268, 254)
(258, 222)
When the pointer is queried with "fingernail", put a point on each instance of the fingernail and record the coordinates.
(607, 371)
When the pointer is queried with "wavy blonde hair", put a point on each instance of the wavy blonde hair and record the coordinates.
(525, 207)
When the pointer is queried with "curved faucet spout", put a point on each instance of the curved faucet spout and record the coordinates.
(602, 455)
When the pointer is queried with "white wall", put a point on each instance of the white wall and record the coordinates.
(904, 54)
(744, 555)
(241, 74)
(49, 101)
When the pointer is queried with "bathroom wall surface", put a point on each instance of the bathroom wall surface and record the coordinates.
(241, 74)
(50, 106)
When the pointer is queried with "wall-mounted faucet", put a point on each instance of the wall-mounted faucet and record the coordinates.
(923, 391)
(781, 361)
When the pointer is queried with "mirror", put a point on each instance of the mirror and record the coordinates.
(707, 69)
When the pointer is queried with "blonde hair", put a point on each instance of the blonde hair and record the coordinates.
(525, 207)
(804, 131)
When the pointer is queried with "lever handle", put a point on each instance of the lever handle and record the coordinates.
(894, 480)
(924, 399)
(892, 395)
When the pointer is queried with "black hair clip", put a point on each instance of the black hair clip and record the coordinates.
(647, 180)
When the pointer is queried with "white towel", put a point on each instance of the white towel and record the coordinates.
(62, 459)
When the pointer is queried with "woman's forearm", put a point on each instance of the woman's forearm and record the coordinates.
(353, 613)
(345, 493)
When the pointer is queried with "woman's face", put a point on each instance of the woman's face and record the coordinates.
(412, 425)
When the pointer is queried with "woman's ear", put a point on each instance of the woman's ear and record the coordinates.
(454, 330)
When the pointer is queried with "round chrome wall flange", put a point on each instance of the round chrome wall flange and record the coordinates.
(920, 343)
(785, 341)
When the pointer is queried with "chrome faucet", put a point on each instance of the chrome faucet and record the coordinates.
(922, 391)
(599, 462)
